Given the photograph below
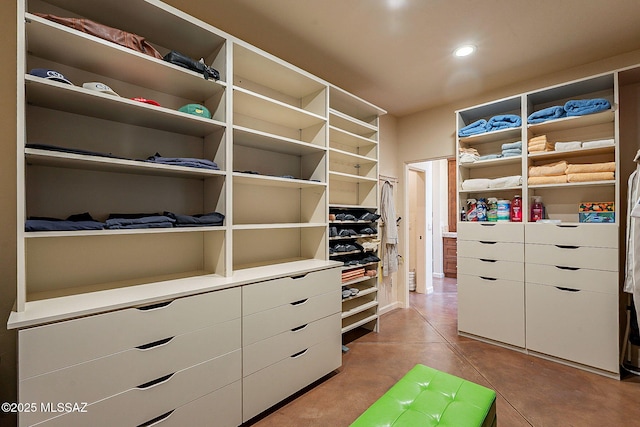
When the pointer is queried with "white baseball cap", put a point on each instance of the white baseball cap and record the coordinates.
(100, 87)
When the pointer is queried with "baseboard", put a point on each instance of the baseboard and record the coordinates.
(438, 275)
(389, 307)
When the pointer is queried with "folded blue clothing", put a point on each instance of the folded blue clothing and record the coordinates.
(200, 220)
(512, 145)
(183, 161)
(165, 224)
(549, 113)
(490, 157)
(504, 121)
(580, 107)
(61, 225)
(479, 126)
(143, 222)
(512, 151)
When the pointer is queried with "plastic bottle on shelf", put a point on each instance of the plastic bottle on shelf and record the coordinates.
(516, 209)
(481, 210)
(492, 209)
(537, 209)
(471, 210)
(504, 210)
(463, 214)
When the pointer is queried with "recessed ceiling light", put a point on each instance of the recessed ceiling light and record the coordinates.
(465, 50)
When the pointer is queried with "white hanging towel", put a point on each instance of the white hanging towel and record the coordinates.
(390, 231)
(632, 270)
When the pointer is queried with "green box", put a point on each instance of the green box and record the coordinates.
(597, 217)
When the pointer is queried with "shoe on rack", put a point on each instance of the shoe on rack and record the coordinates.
(346, 293)
(333, 232)
(368, 216)
(353, 291)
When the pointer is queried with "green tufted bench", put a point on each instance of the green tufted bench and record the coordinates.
(428, 397)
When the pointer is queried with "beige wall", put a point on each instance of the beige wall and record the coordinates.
(7, 203)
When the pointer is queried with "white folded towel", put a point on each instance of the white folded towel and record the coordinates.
(598, 143)
(475, 184)
(566, 146)
(468, 158)
(506, 181)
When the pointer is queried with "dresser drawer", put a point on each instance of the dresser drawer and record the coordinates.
(596, 235)
(491, 231)
(224, 406)
(504, 251)
(266, 352)
(491, 269)
(139, 405)
(573, 256)
(265, 324)
(580, 326)
(273, 293)
(574, 278)
(264, 388)
(100, 378)
(491, 309)
(47, 348)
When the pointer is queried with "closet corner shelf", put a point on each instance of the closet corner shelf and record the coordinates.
(360, 320)
(278, 226)
(81, 233)
(351, 124)
(361, 293)
(274, 181)
(341, 136)
(572, 122)
(339, 176)
(265, 141)
(498, 135)
(552, 155)
(358, 280)
(359, 309)
(349, 159)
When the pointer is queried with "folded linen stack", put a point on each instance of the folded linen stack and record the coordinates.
(545, 114)
(512, 149)
(599, 143)
(479, 126)
(552, 173)
(506, 182)
(568, 146)
(468, 155)
(539, 143)
(475, 184)
(574, 107)
(503, 121)
(591, 172)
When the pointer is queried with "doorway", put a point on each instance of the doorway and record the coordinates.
(428, 222)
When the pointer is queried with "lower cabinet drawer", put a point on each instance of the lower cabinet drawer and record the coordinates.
(596, 235)
(265, 324)
(505, 251)
(508, 270)
(492, 309)
(573, 256)
(100, 378)
(50, 347)
(273, 293)
(579, 326)
(263, 353)
(264, 388)
(222, 408)
(149, 401)
(573, 277)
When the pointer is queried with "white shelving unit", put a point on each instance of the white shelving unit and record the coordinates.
(562, 306)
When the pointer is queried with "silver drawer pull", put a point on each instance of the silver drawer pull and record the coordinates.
(155, 344)
(302, 301)
(154, 306)
(299, 328)
(300, 276)
(567, 289)
(488, 278)
(562, 267)
(486, 242)
(567, 247)
(157, 420)
(300, 353)
(155, 382)
(488, 260)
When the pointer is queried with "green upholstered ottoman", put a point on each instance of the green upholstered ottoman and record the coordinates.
(428, 397)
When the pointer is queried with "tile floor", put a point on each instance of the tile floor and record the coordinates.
(531, 391)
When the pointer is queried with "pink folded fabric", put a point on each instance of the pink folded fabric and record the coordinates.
(590, 176)
(592, 167)
(551, 169)
(538, 180)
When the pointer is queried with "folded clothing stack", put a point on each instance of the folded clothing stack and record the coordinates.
(512, 149)
(184, 161)
(468, 155)
(199, 220)
(76, 222)
(599, 143)
(349, 275)
(551, 173)
(497, 122)
(479, 126)
(575, 107)
(568, 146)
(476, 184)
(591, 172)
(138, 221)
(539, 144)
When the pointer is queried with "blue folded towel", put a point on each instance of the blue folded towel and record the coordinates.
(580, 107)
(479, 126)
(512, 145)
(511, 153)
(504, 121)
(549, 113)
(490, 157)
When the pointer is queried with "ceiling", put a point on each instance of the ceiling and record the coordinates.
(397, 54)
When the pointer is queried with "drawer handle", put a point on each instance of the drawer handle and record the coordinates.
(486, 242)
(487, 225)
(300, 276)
(566, 226)
(154, 344)
(300, 353)
(567, 289)
(488, 278)
(488, 260)
(157, 420)
(154, 306)
(302, 301)
(299, 328)
(155, 382)
(567, 247)
(562, 267)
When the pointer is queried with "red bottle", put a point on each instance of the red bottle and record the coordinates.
(537, 209)
(516, 209)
